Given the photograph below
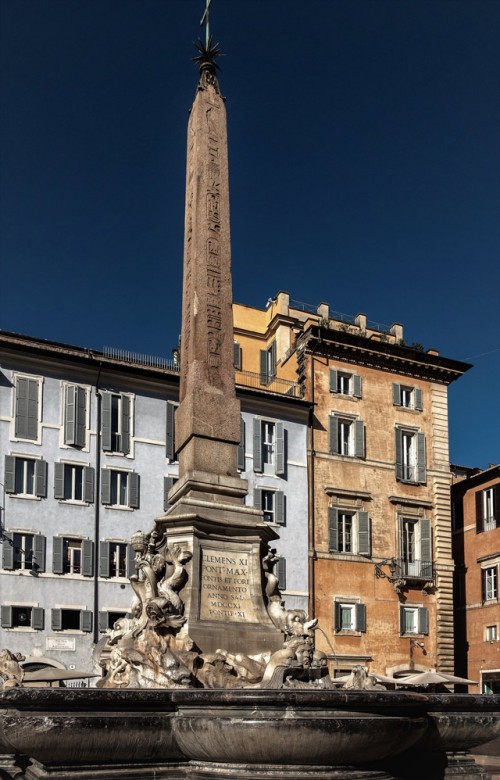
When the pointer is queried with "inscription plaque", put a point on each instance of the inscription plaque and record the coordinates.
(225, 586)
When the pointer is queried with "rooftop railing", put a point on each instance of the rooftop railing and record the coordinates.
(272, 384)
(140, 358)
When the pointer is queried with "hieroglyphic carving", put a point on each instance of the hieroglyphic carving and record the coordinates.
(213, 259)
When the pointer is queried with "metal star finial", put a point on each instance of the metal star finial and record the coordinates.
(208, 53)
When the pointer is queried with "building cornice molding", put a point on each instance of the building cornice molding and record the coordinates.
(408, 501)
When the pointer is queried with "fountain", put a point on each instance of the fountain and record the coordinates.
(210, 676)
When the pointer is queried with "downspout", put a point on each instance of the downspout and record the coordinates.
(97, 506)
(312, 513)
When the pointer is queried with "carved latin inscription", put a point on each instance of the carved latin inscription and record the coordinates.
(225, 586)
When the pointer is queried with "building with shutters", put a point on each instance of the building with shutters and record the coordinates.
(87, 443)
(476, 545)
(381, 568)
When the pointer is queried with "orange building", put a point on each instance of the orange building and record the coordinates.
(380, 558)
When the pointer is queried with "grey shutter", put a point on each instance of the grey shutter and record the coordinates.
(170, 446)
(421, 458)
(8, 553)
(88, 484)
(279, 507)
(56, 620)
(10, 474)
(39, 552)
(130, 561)
(337, 616)
(359, 439)
(263, 367)
(133, 490)
(237, 356)
(37, 618)
(426, 547)
(281, 573)
(167, 484)
(280, 449)
(402, 623)
(105, 486)
(272, 350)
(70, 416)
(87, 558)
(41, 478)
(21, 424)
(103, 622)
(59, 480)
(86, 620)
(357, 386)
(423, 620)
(257, 445)
(6, 617)
(106, 421)
(399, 453)
(32, 409)
(334, 434)
(479, 511)
(363, 533)
(81, 416)
(333, 529)
(241, 446)
(104, 570)
(360, 610)
(333, 380)
(57, 554)
(418, 399)
(396, 395)
(257, 498)
(125, 425)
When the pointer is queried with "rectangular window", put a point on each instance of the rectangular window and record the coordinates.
(491, 633)
(73, 482)
(268, 454)
(268, 364)
(272, 503)
(344, 440)
(75, 416)
(23, 551)
(350, 616)
(268, 505)
(490, 583)
(116, 423)
(107, 619)
(408, 441)
(413, 620)
(25, 476)
(416, 548)
(489, 509)
(348, 532)
(410, 456)
(26, 408)
(117, 559)
(22, 617)
(71, 620)
(120, 488)
(345, 383)
(346, 617)
(410, 620)
(406, 396)
(72, 556)
(347, 436)
(345, 532)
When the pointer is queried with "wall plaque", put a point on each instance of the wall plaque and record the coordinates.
(225, 586)
(61, 643)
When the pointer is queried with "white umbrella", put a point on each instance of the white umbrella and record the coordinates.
(431, 677)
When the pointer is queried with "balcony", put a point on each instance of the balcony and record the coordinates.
(413, 570)
(273, 384)
(489, 524)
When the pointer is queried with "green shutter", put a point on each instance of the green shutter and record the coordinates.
(32, 409)
(56, 619)
(281, 573)
(357, 386)
(8, 553)
(280, 450)
(37, 618)
(57, 554)
(70, 415)
(87, 558)
(279, 507)
(10, 474)
(86, 621)
(421, 459)
(337, 616)
(334, 385)
(399, 453)
(496, 503)
(257, 445)
(396, 395)
(333, 529)
(237, 356)
(241, 446)
(133, 490)
(418, 399)
(125, 425)
(426, 547)
(479, 512)
(59, 481)
(334, 434)
(363, 533)
(106, 421)
(103, 622)
(359, 439)
(263, 367)
(88, 484)
(105, 486)
(170, 446)
(360, 610)
(423, 620)
(41, 478)
(130, 561)
(402, 621)
(104, 568)
(39, 552)
(6, 617)
(167, 484)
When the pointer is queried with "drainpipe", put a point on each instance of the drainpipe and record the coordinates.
(97, 506)
(312, 513)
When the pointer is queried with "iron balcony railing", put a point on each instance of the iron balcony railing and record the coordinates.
(140, 358)
(489, 523)
(273, 384)
(419, 570)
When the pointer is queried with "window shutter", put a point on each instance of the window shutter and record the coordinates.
(426, 547)
(106, 422)
(86, 620)
(359, 439)
(104, 559)
(357, 383)
(237, 356)
(88, 484)
(363, 533)
(81, 416)
(257, 445)
(125, 425)
(70, 416)
(57, 554)
(334, 387)
(333, 529)
(21, 424)
(103, 622)
(496, 503)
(279, 507)
(105, 486)
(133, 490)
(399, 453)
(281, 573)
(130, 561)
(280, 449)
(56, 619)
(272, 350)
(423, 620)
(10, 474)
(241, 446)
(360, 610)
(6, 617)
(87, 558)
(418, 399)
(402, 623)
(257, 498)
(41, 478)
(263, 367)
(396, 395)
(167, 484)
(37, 618)
(337, 616)
(39, 552)
(421, 464)
(59, 480)
(334, 434)
(8, 553)
(170, 446)
(32, 409)
(479, 511)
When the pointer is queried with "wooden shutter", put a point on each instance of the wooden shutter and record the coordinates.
(334, 434)
(360, 611)
(357, 384)
(41, 478)
(87, 558)
(70, 416)
(6, 617)
(86, 620)
(237, 356)
(39, 552)
(418, 399)
(26, 422)
(363, 533)
(37, 618)
(426, 547)
(333, 529)
(257, 498)
(263, 367)
(59, 480)
(125, 425)
(479, 512)
(10, 474)
(133, 490)
(104, 563)
(396, 395)
(103, 622)
(337, 614)
(402, 623)
(279, 507)
(32, 409)
(8, 553)
(281, 573)
(88, 484)
(81, 417)
(57, 554)
(106, 421)
(359, 438)
(399, 453)
(130, 561)
(272, 350)
(257, 445)
(105, 486)
(56, 619)
(170, 440)
(241, 446)
(421, 458)
(423, 620)
(334, 380)
(280, 449)
(167, 484)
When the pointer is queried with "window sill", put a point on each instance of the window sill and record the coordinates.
(73, 502)
(29, 496)
(118, 506)
(347, 632)
(346, 396)
(23, 629)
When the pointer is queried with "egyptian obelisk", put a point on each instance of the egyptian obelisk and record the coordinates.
(227, 539)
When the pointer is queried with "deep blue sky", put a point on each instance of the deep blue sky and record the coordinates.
(364, 164)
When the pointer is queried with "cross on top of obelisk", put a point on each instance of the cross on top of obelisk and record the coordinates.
(205, 20)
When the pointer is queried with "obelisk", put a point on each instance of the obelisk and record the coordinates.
(223, 597)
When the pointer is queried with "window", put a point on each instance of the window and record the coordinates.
(115, 423)
(27, 408)
(416, 548)
(272, 503)
(268, 364)
(22, 617)
(345, 383)
(413, 620)
(25, 476)
(71, 620)
(491, 633)
(350, 617)
(171, 452)
(407, 397)
(120, 488)
(75, 416)
(348, 532)
(72, 556)
(116, 559)
(490, 583)
(347, 436)
(269, 447)
(410, 456)
(23, 551)
(73, 482)
(107, 619)
(487, 508)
